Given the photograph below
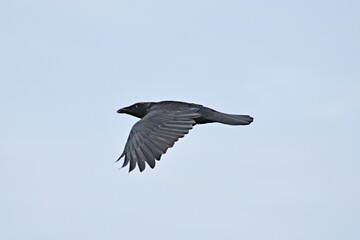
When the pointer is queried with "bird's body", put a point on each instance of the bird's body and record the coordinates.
(162, 124)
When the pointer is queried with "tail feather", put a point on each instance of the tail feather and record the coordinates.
(232, 119)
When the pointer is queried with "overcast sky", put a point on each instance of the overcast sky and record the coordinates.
(67, 66)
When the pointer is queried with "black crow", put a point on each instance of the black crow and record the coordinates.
(162, 124)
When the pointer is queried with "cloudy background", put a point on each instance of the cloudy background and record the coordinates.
(67, 66)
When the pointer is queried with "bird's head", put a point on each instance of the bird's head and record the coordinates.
(137, 110)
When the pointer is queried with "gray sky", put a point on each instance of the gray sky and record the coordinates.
(67, 66)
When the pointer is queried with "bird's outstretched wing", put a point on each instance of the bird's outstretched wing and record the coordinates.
(156, 132)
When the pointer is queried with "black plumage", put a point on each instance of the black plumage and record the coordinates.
(162, 124)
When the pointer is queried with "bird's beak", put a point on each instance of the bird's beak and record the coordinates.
(121, 110)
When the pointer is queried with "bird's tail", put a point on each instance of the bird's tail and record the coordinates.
(232, 119)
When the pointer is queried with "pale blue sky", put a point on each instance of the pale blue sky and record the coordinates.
(67, 66)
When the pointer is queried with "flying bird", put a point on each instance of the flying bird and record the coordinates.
(162, 124)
